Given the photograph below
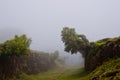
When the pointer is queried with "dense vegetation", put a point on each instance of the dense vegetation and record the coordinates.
(74, 42)
(102, 59)
(10, 50)
(102, 51)
(94, 53)
(110, 70)
(17, 58)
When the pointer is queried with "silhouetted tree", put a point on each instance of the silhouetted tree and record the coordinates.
(74, 42)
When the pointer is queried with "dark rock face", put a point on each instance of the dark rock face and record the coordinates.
(101, 51)
(29, 64)
(37, 63)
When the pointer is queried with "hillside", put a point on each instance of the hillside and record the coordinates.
(94, 53)
(102, 51)
(110, 70)
(61, 73)
(102, 61)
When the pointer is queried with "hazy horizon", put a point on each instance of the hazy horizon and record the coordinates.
(43, 20)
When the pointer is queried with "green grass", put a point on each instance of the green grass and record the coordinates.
(58, 74)
(74, 74)
(110, 70)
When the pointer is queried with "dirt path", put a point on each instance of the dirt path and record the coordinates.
(62, 73)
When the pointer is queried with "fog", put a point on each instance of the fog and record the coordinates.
(43, 20)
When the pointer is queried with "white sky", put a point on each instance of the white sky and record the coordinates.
(43, 20)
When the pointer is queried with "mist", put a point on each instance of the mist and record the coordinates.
(43, 20)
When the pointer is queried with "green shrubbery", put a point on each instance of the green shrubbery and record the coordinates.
(10, 51)
(95, 53)
(17, 58)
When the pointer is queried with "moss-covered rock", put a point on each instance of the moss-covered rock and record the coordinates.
(101, 51)
(110, 70)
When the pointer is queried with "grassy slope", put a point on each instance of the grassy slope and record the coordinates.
(58, 74)
(110, 70)
(78, 74)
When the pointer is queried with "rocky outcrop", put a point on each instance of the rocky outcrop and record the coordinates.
(101, 51)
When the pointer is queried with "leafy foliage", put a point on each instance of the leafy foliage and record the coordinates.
(14, 58)
(74, 42)
(17, 46)
(95, 53)
(10, 51)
